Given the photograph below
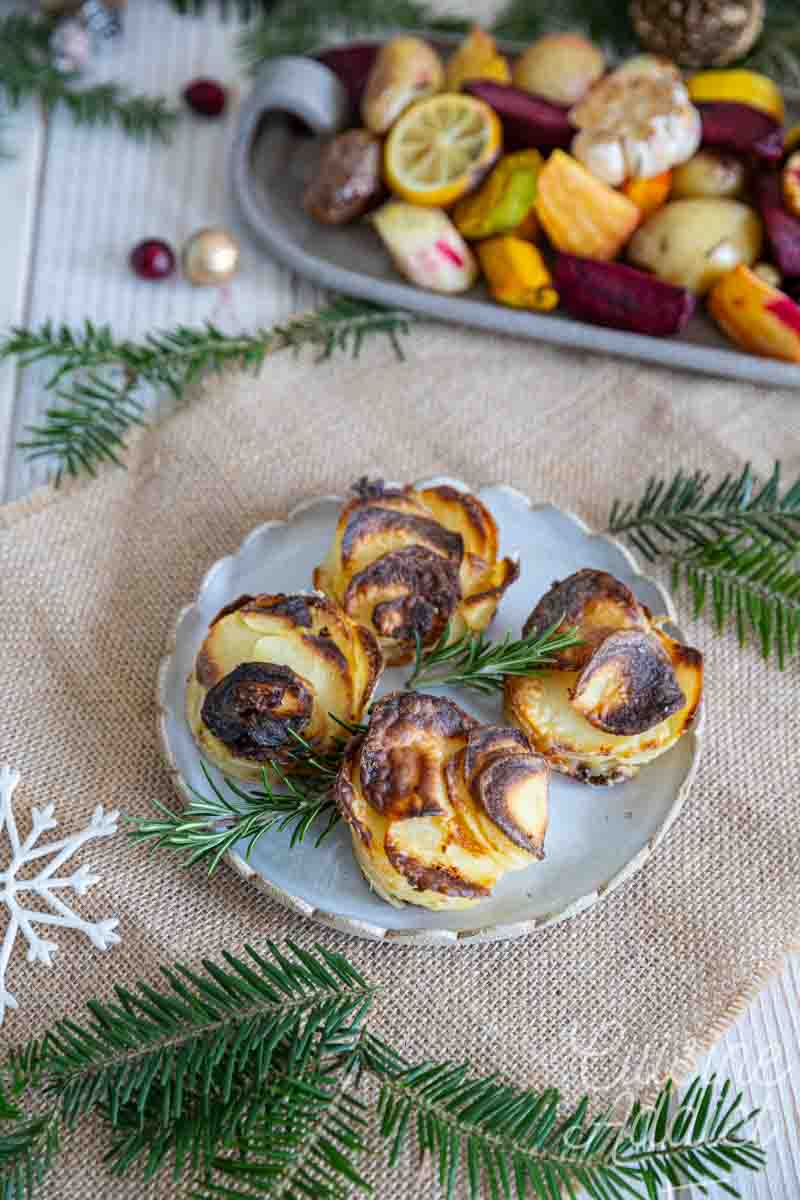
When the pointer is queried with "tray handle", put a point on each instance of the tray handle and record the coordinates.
(293, 84)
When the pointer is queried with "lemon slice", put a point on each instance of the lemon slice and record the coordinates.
(440, 148)
(741, 87)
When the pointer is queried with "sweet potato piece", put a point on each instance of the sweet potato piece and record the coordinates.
(621, 297)
(648, 194)
(581, 214)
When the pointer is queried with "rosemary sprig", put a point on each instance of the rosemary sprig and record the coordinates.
(95, 377)
(736, 546)
(27, 70)
(472, 661)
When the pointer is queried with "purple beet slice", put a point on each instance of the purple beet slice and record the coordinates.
(621, 297)
(728, 125)
(528, 121)
(783, 230)
(352, 64)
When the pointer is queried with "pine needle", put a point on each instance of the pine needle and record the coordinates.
(27, 70)
(95, 377)
(472, 661)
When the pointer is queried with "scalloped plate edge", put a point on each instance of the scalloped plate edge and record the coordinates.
(423, 937)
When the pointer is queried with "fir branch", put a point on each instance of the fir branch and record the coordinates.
(248, 1076)
(472, 661)
(608, 24)
(686, 509)
(27, 70)
(496, 1133)
(756, 585)
(95, 376)
(736, 546)
(777, 51)
(298, 26)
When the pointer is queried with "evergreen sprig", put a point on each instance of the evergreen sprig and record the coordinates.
(244, 10)
(299, 26)
(27, 70)
(250, 1079)
(96, 377)
(473, 661)
(736, 545)
(518, 1141)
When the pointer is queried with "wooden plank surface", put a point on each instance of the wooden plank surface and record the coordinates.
(72, 203)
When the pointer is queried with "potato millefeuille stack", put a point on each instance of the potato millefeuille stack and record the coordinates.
(622, 196)
(439, 805)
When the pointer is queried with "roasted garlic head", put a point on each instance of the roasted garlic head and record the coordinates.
(440, 806)
(272, 666)
(617, 701)
(406, 562)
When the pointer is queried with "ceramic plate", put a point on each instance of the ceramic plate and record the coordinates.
(273, 158)
(597, 837)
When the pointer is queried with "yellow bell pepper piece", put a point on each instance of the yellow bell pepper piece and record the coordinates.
(759, 318)
(516, 273)
(505, 202)
(741, 87)
(476, 58)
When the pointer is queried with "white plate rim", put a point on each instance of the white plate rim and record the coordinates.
(425, 937)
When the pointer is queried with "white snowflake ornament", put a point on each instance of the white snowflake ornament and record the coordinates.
(46, 884)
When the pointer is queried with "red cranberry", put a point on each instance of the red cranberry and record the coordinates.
(152, 259)
(206, 97)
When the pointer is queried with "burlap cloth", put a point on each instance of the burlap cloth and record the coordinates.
(92, 577)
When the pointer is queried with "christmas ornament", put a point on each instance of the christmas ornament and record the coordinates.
(206, 97)
(152, 259)
(698, 33)
(46, 884)
(210, 256)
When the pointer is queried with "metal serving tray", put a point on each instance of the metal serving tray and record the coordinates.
(274, 155)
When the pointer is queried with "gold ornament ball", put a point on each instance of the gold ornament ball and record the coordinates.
(210, 256)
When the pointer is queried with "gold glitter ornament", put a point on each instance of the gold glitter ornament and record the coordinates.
(210, 256)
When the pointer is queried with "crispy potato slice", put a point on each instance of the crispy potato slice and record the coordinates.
(629, 685)
(592, 602)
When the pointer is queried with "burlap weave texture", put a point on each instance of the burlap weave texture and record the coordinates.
(90, 581)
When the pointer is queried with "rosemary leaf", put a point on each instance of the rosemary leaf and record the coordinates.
(472, 661)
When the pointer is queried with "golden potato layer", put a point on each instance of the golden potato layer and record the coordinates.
(440, 806)
(272, 666)
(405, 563)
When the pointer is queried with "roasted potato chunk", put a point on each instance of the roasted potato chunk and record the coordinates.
(439, 806)
(272, 666)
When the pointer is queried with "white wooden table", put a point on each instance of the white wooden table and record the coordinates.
(72, 204)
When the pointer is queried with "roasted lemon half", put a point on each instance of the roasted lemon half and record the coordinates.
(272, 666)
(439, 806)
(617, 701)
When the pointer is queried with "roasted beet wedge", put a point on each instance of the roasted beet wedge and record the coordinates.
(783, 230)
(731, 126)
(621, 297)
(528, 121)
(352, 64)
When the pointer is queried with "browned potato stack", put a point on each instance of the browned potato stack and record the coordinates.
(439, 806)
(617, 701)
(272, 666)
(406, 562)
